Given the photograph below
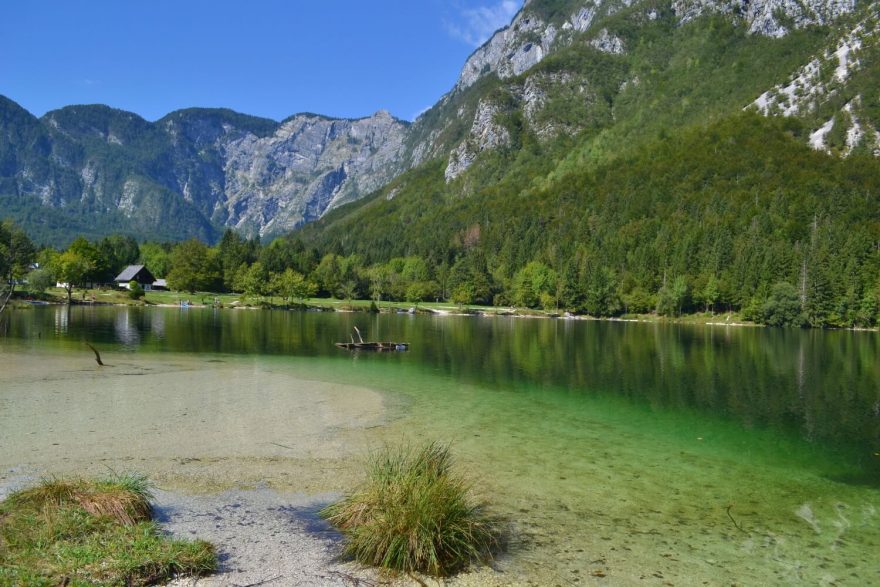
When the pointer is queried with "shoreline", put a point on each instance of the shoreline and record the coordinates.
(341, 306)
(266, 536)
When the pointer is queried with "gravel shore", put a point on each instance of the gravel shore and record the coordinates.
(263, 537)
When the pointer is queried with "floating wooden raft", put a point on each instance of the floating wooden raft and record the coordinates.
(372, 346)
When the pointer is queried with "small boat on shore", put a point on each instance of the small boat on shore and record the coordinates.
(372, 346)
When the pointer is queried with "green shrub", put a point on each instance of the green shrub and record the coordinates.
(414, 514)
(135, 291)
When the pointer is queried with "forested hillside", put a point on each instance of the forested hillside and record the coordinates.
(712, 217)
(674, 193)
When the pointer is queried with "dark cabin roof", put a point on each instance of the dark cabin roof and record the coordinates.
(133, 272)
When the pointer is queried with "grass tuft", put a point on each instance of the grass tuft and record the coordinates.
(124, 498)
(414, 514)
(76, 532)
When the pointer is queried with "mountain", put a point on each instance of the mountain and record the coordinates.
(710, 151)
(564, 67)
(93, 170)
(568, 85)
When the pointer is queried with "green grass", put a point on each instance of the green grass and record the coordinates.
(76, 532)
(414, 514)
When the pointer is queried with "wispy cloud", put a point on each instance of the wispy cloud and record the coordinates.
(476, 25)
(420, 112)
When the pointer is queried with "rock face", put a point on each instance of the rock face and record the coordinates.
(531, 97)
(196, 171)
(227, 169)
(607, 43)
(510, 51)
(818, 92)
(486, 133)
(516, 49)
(528, 39)
(771, 18)
(309, 165)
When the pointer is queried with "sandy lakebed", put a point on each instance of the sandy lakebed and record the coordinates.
(246, 471)
(599, 488)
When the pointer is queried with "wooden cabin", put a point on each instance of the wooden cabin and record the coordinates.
(137, 273)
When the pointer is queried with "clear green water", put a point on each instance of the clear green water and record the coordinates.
(621, 453)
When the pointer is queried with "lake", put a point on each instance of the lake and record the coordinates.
(620, 453)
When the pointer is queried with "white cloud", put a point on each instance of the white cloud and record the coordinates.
(476, 25)
(420, 112)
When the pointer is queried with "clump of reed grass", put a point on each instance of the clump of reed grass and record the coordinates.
(414, 514)
(77, 532)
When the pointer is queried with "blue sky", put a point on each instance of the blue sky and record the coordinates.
(271, 58)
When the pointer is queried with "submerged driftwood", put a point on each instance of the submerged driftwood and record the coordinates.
(97, 354)
(372, 346)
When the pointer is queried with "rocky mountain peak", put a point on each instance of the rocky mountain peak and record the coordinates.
(528, 39)
(771, 18)
(309, 165)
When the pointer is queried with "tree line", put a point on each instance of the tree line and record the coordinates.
(737, 216)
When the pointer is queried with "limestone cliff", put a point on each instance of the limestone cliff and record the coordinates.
(833, 92)
(197, 171)
(308, 166)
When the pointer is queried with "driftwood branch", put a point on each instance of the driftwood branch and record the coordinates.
(3, 301)
(97, 354)
(416, 579)
(729, 515)
(356, 581)
(359, 333)
(264, 581)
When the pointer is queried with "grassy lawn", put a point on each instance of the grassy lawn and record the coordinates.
(76, 532)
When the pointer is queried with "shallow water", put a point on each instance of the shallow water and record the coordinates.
(620, 453)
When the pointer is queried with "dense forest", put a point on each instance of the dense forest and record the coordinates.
(735, 215)
(666, 193)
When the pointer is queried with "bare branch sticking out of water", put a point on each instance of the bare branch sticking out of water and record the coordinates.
(729, 515)
(97, 354)
(4, 302)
